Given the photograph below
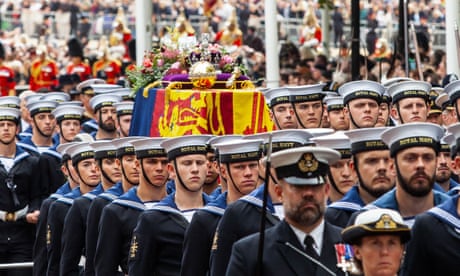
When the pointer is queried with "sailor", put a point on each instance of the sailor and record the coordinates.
(124, 115)
(156, 245)
(303, 242)
(308, 104)
(384, 118)
(448, 114)
(335, 114)
(119, 218)
(371, 162)
(239, 164)
(444, 182)
(453, 90)
(281, 110)
(86, 92)
(434, 114)
(410, 101)
(105, 112)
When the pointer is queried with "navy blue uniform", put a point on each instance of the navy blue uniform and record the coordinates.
(241, 218)
(73, 233)
(156, 246)
(199, 237)
(92, 223)
(338, 213)
(56, 216)
(39, 253)
(116, 229)
(51, 176)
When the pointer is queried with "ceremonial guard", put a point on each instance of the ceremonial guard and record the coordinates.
(156, 245)
(7, 83)
(303, 242)
(410, 101)
(239, 163)
(119, 218)
(281, 109)
(308, 105)
(105, 112)
(43, 72)
(362, 100)
(231, 35)
(87, 174)
(341, 175)
(77, 64)
(106, 68)
(40, 255)
(20, 195)
(414, 148)
(242, 217)
(372, 163)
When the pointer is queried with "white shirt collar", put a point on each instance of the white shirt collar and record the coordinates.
(317, 235)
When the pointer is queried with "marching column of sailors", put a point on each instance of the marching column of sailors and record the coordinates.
(99, 202)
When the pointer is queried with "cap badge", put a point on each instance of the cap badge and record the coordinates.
(385, 222)
(308, 163)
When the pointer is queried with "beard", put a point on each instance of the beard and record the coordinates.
(305, 216)
(416, 190)
(108, 125)
(443, 176)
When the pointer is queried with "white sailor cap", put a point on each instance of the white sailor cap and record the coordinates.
(104, 149)
(443, 101)
(366, 139)
(100, 101)
(239, 151)
(186, 145)
(433, 95)
(124, 92)
(33, 98)
(361, 89)
(389, 82)
(412, 135)
(334, 103)
(279, 95)
(10, 101)
(124, 108)
(70, 103)
(56, 96)
(409, 89)
(79, 152)
(68, 112)
(303, 165)
(453, 90)
(104, 88)
(454, 130)
(222, 139)
(10, 114)
(374, 222)
(83, 137)
(446, 142)
(307, 93)
(62, 149)
(338, 141)
(149, 147)
(41, 107)
(450, 139)
(124, 145)
(84, 87)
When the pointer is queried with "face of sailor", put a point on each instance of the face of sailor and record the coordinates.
(304, 205)
(380, 255)
(8, 131)
(344, 176)
(415, 168)
(338, 120)
(155, 169)
(310, 113)
(107, 115)
(45, 122)
(410, 110)
(124, 123)
(213, 173)
(112, 169)
(192, 170)
(362, 113)
(89, 172)
(374, 169)
(283, 115)
(129, 168)
(384, 115)
(241, 177)
(69, 129)
(443, 169)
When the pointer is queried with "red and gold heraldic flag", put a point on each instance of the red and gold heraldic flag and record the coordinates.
(177, 112)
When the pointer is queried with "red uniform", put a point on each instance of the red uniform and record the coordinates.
(82, 70)
(43, 74)
(109, 70)
(7, 82)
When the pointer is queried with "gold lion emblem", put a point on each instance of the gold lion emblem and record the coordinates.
(308, 163)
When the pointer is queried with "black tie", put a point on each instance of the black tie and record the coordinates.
(309, 242)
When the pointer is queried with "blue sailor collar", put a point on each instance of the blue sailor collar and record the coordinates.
(169, 205)
(256, 198)
(447, 212)
(216, 193)
(20, 154)
(69, 197)
(95, 192)
(218, 205)
(170, 187)
(131, 200)
(91, 123)
(52, 151)
(454, 191)
(64, 189)
(114, 192)
(351, 201)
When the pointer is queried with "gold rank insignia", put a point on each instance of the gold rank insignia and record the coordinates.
(214, 241)
(308, 163)
(385, 222)
(48, 235)
(134, 247)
